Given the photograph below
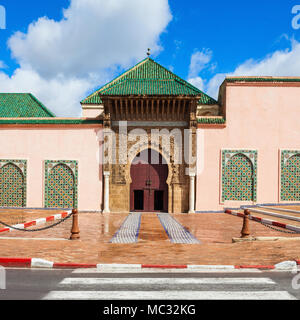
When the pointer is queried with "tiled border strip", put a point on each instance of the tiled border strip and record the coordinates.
(129, 230)
(37, 221)
(176, 232)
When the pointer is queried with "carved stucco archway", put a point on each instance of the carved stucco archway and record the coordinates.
(177, 181)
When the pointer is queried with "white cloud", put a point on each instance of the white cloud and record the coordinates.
(60, 95)
(279, 63)
(2, 65)
(93, 35)
(61, 60)
(199, 61)
(213, 85)
(197, 82)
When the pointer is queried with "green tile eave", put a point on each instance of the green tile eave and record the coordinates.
(204, 100)
(22, 105)
(54, 121)
(4, 121)
(217, 120)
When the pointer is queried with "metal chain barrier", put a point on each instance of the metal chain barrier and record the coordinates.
(276, 229)
(39, 229)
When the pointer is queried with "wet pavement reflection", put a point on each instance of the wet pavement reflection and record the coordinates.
(214, 231)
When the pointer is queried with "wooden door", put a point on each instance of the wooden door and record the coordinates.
(148, 190)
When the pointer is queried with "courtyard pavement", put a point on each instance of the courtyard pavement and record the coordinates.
(199, 239)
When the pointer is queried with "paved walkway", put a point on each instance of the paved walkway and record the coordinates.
(212, 233)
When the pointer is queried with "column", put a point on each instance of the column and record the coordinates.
(106, 192)
(192, 193)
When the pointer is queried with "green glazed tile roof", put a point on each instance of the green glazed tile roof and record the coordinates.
(148, 78)
(22, 105)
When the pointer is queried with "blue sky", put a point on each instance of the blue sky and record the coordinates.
(68, 54)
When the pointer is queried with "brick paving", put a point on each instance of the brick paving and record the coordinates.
(215, 232)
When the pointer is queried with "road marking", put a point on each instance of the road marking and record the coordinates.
(164, 281)
(155, 270)
(168, 295)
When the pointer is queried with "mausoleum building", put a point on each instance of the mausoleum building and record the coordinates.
(149, 141)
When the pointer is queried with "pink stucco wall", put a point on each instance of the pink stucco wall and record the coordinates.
(264, 118)
(259, 117)
(56, 142)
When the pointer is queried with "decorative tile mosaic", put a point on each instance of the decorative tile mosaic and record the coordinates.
(239, 175)
(175, 231)
(290, 175)
(13, 183)
(129, 230)
(61, 184)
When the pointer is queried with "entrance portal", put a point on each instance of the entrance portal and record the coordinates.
(149, 190)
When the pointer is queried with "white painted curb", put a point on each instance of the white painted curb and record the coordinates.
(286, 265)
(210, 267)
(41, 263)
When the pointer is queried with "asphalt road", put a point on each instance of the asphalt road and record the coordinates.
(43, 284)
(148, 294)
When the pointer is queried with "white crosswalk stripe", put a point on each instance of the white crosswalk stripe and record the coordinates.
(168, 288)
(163, 281)
(169, 295)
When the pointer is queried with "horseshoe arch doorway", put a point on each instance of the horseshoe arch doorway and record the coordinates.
(149, 189)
